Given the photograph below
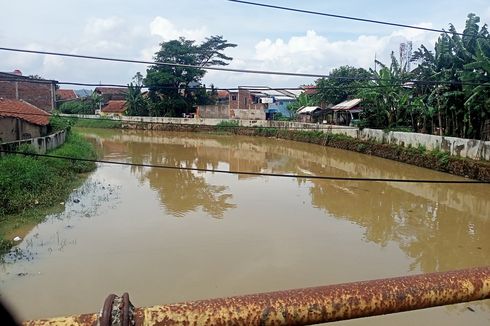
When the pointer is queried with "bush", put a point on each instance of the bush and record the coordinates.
(58, 123)
(227, 125)
(28, 181)
(78, 107)
(98, 123)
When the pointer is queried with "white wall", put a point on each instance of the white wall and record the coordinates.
(470, 148)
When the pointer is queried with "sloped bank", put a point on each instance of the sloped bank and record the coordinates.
(435, 160)
(32, 187)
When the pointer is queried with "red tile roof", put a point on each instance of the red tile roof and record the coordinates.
(310, 89)
(111, 90)
(23, 110)
(66, 94)
(223, 94)
(115, 107)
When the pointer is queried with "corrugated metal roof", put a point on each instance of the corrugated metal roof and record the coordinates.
(284, 98)
(347, 105)
(308, 109)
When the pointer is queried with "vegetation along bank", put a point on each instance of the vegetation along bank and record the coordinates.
(32, 187)
(419, 156)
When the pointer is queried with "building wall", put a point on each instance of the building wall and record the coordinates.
(41, 95)
(244, 101)
(213, 111)
(8, 129)
(224, 112)
(40, 144)
(12, 129)
(282, 107)
(247, 114)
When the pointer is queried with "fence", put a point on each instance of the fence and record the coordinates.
(40, 144)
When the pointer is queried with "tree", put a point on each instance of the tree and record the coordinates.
(343, 84)
(386, 101)
(461, 109)
(137, 104)
(173, 88)
(302, 100)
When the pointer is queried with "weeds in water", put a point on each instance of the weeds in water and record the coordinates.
(31, 183)
(227, 125)
(98, 123)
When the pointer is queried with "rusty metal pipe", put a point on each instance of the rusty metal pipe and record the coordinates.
(315, 305)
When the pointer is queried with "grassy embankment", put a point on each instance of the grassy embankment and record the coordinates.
(96, 123)
(419, 156)
(32, 187)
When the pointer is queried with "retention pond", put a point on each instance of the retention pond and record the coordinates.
(168, 236)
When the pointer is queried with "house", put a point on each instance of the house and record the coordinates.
(111, 93)
(83, 93)
(250, 102)
(114, 107)
(21, 120)
(308, 113)
(66, 95)
(223, 97)
(37, 91)
(347, 112)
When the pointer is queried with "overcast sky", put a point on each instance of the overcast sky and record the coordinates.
(267, 39)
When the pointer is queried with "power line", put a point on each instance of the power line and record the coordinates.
(260, 88)
(170, 64)
(365, 20)
(259, 174)
(263, 72)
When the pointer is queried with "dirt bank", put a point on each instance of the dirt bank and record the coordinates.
(435, 160)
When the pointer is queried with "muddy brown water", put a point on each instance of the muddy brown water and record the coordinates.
(168, 236)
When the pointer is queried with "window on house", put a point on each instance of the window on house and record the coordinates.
(233, 97)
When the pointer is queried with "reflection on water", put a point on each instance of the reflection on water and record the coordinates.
(242, 234)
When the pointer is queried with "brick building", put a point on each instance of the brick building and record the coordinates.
(111, 93)
(39, 92)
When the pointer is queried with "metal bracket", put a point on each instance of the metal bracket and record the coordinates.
(117, 311)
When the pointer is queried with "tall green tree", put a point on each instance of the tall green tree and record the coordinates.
(386, 100)
(343, 84)
(173, 88)
(458, 95)
(137, 104)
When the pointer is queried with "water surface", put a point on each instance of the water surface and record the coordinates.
(168, 236)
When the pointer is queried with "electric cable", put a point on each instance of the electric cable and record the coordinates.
(365, 20)
(263, 72)
(259, 174)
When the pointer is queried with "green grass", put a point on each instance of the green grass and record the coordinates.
(98, 123)
(227, 125)
(29, 185)
(442, 157)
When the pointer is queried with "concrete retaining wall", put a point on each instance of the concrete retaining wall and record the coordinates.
(469, 148)
(40, 144)
(224, 112)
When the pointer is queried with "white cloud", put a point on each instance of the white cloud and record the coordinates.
(166, 30)
(101, 26)
(316, 54)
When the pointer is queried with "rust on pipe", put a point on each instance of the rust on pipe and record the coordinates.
(315, 305)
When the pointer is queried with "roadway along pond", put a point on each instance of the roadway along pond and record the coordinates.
(168, 236)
